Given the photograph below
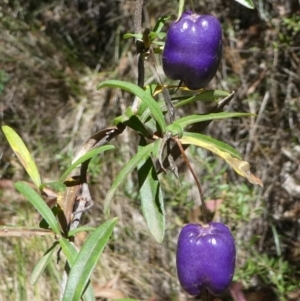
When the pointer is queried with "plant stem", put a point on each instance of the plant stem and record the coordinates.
(138, 8)
(187, 162)
(137, 20)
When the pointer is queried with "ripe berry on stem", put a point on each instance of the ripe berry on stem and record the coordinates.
(205, 258)
(193, 49)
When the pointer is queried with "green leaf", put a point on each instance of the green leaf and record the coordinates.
(143, 111)
(180, 9)
(43, 223)
(224, 151)
(23, 154)
(36, 200)
(69, 250)
(56, 186)
(132, 35)
(144, 96)
(246, 3)
(153, 34)
(132, 121)
(84, 158)
(80, 229)
(124, 172)
(188, 120)
(160, 24)
(42, 264)
(86, 260)
(151, 198)
(206, 95)
(176, 129)
(71, 254)
(206, 140)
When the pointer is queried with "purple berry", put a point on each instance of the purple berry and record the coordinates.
(205, 258)
(193, 49)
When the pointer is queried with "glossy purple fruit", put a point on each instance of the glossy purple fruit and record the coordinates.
(205, 258)
(193, 49)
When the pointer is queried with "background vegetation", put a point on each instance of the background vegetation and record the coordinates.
(52, 56)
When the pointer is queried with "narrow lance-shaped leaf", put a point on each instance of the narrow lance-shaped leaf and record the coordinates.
(179, 101)
(206, 95)
(133, 121)
(100, 138)
(71, 253)
(84, 158)
(188, 120)
(146, 99)
(124, 172)
(151, 198)
(23, 154)
(86, 260)
(246, 3)
(80, 229)
(42, 264)
(160, 24)
(36, 200)
(219, 144)
(224, 151)
(180, 8)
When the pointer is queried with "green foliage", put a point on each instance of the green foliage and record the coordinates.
(124, 172)
(85, 261)
(71, 254)
(89, 155)
(274, 271)
(191, 119)
(240, 203)
(292, 23)
(152, 202)
(242, 206)
(147, 102)
(288, 32)
(35, 199)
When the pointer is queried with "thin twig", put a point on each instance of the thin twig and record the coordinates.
(137, 21)
(187, 162)
(165, 92)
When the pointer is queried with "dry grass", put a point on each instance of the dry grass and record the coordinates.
(56, 53)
